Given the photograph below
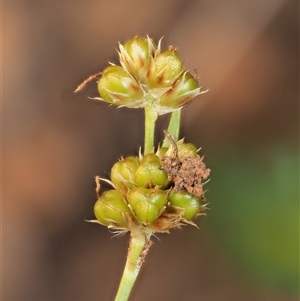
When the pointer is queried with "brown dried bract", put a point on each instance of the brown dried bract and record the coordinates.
(83, 84)
(98, 186)
(188, 174)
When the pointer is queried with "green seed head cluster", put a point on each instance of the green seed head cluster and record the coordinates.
(158, 191)
(153, 192)
(148, 76)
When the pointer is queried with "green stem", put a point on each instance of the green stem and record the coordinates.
(139, 242)
(150, 119)
(173, 128)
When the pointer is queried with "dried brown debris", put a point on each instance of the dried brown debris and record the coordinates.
(187, 175)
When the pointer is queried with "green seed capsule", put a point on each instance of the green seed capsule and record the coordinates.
(185, 89)
(118, 87)
(122, 173)
(185, 149)
(165, 70)
(149, 173)
(111, 209)
(136, 55)
(186, 201)
(161, 152)
(147, 204)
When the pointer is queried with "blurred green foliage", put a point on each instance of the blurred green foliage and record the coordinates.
(254, 201)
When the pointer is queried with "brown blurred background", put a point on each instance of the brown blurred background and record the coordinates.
(54, 143)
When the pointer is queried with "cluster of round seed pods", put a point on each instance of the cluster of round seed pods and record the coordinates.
(147, 76)
(145, 191)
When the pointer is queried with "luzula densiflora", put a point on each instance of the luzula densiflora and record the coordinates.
(161, 187)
